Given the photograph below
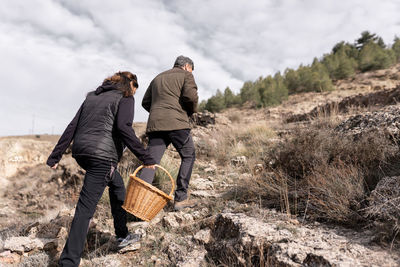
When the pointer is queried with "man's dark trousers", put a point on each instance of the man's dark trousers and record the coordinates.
(183, 143)
(99, 174)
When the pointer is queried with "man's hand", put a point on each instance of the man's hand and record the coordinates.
(54, 166)
(150, 166)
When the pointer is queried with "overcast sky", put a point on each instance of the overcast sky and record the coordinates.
(54, 51)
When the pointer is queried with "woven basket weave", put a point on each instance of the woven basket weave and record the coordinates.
(143, 199)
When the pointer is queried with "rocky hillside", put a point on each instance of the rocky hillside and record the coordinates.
(318, 190)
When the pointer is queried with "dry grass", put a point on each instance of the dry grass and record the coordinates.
(321, 175)
(243, 140)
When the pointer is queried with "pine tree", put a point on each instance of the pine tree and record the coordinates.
(374, 57)
(366, 37)
(291, 80)
(215, 103)
(230, 99)
(249, 93)
(396, 48)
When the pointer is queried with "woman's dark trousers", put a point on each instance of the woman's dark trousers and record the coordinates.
(99, 174)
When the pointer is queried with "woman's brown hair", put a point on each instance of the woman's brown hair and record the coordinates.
(122, 81)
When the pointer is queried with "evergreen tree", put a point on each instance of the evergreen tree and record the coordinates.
(291, 80)
(366, 37)
(272, 90)
(249, 93)
(216, 103)
(230, 99)
(396, 48)
(374, 57)
(320, 80)
(339, 64)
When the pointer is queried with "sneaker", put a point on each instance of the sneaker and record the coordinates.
(129, 239)
(187, 203)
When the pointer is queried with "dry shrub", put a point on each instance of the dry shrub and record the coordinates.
(308, 149)
(335, 193)
(322, 175)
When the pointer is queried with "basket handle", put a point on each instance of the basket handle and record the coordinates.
(162, 168)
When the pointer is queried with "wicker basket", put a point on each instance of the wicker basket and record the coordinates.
(143, 199)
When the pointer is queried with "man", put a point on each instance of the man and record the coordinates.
(171, 99)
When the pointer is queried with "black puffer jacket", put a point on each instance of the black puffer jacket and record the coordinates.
(96, 135)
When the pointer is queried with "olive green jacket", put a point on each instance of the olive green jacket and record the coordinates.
(170, 99)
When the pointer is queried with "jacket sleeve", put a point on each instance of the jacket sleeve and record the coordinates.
(146, 102)
(64, 141)
(189, 97)
(124, 119)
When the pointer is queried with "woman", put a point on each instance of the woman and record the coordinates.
(100, 130)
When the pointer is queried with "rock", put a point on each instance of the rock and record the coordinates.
(175, 252)
(38, 259)
(258, 168)
(203, 236)
(239, 161)
(201, 184)
(204, 118)
(156, 219)
(183, 217)
(386, 120)
(195, 258)
(195, 176)
(141, 232)
(204, 194)
(384, 202)
(130, 248)
(170, 221)
(379, 98)
(245, 240)
(210, 169)
(222, 120)
(7, 257)
(31, 229)
(21, 244)
(142, 225)
(62, 233)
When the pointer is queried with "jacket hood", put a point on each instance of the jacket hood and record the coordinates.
(105, 87)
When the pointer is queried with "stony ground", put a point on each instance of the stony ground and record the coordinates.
(37, 203)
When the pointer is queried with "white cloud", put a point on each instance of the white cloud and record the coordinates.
(55, 51)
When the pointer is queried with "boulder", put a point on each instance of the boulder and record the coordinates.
(21, 244)
(204, 118)
(240, 240)
(203, 236)
(7, 257)
(386, 120)
(239, 161)
(170, 221)
(130, 248)
(384, 201)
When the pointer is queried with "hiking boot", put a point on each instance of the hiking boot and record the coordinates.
(129, 239)
(187, 203)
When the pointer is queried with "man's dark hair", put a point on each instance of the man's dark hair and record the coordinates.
(181, 61)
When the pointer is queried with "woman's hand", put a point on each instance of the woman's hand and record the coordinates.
(150, 166)
(54, 166)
